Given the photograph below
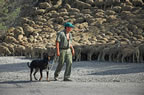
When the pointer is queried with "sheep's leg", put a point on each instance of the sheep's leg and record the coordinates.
(123, 58)
(99, 56)
(134, 58)
(103, 57)
(110, 57)
(89, 57)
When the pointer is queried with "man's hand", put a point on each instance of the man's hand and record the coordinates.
(58, 53)
(72, 49)
(73, 52)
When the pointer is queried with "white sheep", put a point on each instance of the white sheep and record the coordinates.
(4, 51)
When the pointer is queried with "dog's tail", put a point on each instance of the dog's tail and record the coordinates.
(28, 64)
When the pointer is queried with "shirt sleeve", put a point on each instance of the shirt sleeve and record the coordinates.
(58, 37)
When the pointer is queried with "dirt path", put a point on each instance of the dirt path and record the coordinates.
(89, 78)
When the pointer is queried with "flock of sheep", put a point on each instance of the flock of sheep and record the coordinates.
(111, 53)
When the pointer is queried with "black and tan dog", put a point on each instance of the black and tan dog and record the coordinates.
(39, 65)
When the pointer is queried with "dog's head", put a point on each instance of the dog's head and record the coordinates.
(46, 56)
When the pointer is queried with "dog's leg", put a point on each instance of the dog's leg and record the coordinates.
(31, 70)
(47, 72)
(36, 70)
(40, 75)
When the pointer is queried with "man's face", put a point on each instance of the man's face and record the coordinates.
(68, 29)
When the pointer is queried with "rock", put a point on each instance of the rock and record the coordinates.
(44, 5)
(81, 5)
(127, 8)
(63, 14)
(80, 20)
(62, 10)
(59, 20)
(111, 18)
(10, 39)
(132, 27)
(86, 11)
(40, 11)
(127, 14)
(74, 10)
(99, 15)
(100, 21)
(67, 6)
(4, 51)
(18, 30)
(28, 29)
(20, 37)
(27, 21)
(54, 14)
(137, 2)
(90, 1)
(40, 18)
(110, 12)
(117, 9)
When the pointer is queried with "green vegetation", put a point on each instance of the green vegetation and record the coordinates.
(8, 13)
(2, 27)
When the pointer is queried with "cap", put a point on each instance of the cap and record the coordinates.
(68, 24)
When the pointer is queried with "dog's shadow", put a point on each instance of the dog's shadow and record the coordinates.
(12, 82)
(17, 84)
(24, 81)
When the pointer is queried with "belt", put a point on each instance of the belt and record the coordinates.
(64, 48)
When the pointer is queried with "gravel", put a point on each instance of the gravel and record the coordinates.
(89, 78)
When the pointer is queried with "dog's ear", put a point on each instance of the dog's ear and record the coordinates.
(48, 58)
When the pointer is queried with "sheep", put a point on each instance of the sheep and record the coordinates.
(90, 50)
(108, 51)
(28, 50)
(38, 51)
(99, 51)
(141, 49)
(4, 51)
(77, 56)
(19, 50)
(114, 51)
(10, 47)
(129, 51)
(83, 52)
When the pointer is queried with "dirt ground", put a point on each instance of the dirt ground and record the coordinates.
(89, 78)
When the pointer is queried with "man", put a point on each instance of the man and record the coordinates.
(65, 51)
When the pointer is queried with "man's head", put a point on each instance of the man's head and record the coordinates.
(68, 26)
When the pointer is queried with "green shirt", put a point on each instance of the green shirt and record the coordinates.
(62, 39)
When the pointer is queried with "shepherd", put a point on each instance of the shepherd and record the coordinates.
(65, 51)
